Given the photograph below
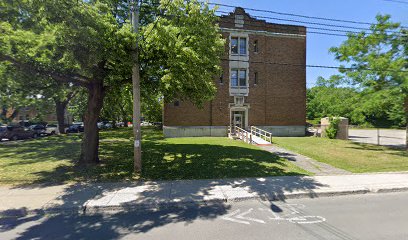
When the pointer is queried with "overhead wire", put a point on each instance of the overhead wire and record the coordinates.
(315, 66)
(306, 22)
(294, 15)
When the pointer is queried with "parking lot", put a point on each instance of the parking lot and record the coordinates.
(385, 137)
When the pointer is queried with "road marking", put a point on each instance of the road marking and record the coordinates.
(229, 216)
(242, 216)
(294, 216)
(307, 219)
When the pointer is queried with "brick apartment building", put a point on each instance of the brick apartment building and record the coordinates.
(263, 83)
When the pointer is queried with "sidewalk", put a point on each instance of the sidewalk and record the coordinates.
(306, 163)
(94, 197)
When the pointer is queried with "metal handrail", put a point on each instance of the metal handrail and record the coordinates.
(261, 133)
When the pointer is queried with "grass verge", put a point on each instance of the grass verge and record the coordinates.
(52, 159)
(348, 155)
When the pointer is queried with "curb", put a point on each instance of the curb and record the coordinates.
(156, 206)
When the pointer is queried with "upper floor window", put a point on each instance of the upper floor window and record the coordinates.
(256, 46)
(238, 45)
(238, 78)
(255, 78)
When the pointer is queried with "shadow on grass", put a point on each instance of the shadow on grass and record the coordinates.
(162, 160)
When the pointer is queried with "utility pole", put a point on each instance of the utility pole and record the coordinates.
(136, 90)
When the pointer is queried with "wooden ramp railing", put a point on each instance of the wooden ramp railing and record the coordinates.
(267, 136)
(240, 133)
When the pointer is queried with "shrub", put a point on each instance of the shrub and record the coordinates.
(333, 128)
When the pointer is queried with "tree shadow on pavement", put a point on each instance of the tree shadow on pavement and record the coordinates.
(143, 205)
(180, 201)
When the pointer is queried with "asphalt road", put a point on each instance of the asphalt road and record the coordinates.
(388, 137)
(371, 216)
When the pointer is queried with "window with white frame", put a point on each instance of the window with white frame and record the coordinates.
(238, 45)
(238, 78)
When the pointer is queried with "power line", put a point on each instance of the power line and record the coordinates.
(294, 15)
(284, 29)
(305, 22)
(333, 30)
(396, 1)
(314, 66)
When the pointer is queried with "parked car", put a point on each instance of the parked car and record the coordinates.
(38, 128)
(104, 125)
(51, 129)
(75, 128)
(108, 125)
(16, 133)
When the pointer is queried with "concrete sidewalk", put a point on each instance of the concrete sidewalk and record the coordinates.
(94, 197)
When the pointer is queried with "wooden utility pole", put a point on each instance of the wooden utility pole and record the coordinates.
(136, 90)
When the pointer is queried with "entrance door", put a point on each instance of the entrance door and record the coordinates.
(238, 121)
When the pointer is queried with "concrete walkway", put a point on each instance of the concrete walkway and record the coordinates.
(311, 165)
(94, 197)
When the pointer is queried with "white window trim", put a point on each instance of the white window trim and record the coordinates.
(246, 77)
(230, 45)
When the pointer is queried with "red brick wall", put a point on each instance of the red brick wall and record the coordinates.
(279, 97)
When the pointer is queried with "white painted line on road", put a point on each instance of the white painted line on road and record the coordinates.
(229, 216)
(242, 216)
(294, 216)
(307, 219)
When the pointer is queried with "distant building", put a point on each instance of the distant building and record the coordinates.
(32, 114)
(263, 83)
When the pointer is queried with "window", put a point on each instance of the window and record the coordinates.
(238, 78)
(256, 46)
(222, 79)
(242, 46)
(256, 78)
(242, 77)
(238, 45)
(234, 45)
(176, 103)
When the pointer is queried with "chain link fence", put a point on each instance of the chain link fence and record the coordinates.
(377, 136)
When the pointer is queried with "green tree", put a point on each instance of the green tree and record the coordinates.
(326, 101)
(183, 50)
(88, 44)
(72, 42)
(379, 57)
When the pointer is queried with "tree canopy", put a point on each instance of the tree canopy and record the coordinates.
(89, 44)
(373, 83)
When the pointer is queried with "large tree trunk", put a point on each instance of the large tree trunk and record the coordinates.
(90, 141)
(60, 107)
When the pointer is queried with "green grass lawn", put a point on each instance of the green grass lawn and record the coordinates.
(353, 157)
(52, 159)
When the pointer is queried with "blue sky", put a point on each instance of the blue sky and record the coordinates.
(318, 45)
